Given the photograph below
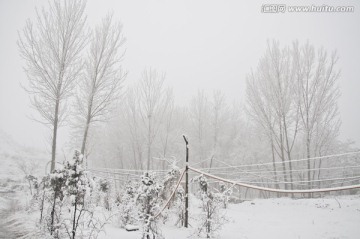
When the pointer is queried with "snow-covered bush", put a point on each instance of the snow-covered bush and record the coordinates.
(226, 193)
(177, 203)
(127, 206)
(170, 180)
(179, 206)
(102, 195)
(149, 202)
(78, 190)
(140, 201)
(56, 186)
(66, 199)
(211, 218)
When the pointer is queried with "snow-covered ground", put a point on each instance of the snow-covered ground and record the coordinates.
(276, 218)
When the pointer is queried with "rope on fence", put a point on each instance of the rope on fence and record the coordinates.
(273, 189)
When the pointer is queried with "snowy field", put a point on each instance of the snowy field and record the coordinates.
(275, 219)
(128, 121)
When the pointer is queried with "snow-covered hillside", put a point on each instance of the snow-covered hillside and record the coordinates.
(281, 218)
(13, 154)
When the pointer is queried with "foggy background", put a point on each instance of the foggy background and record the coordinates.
(199, 44)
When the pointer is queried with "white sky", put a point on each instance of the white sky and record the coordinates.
(199, 44)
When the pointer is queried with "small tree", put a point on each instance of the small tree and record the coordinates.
(211, 218)
(127, 206)
(77, 187)
(149, 202)
(56, 186)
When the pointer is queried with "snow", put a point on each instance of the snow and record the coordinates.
(131, 227)
(285, 218)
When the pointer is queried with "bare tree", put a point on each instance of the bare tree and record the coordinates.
(293, 94)
(317, 94)
(218, 119)
(271, 103)
(259, 110)
(153, 103)
(51, 49)
(103, 79)
(132, 118)
(167, 127)
(199, 113)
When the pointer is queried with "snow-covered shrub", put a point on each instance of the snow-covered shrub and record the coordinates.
(107, 195)
(149, 202)
(179, 206)
(177, 203)
(211, 218)
(170, 180)
(66, 199)
(226, 193)
(77, 190)
(56, 185)
(127, 205)
(102, 193)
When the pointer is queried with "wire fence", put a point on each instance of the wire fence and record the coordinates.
(339, 172)
(262, 177)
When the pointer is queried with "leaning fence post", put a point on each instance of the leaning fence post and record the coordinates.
(186, 183)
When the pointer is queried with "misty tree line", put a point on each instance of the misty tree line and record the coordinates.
(75, 77)
(290, 113)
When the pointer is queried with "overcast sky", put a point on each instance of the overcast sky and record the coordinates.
(199, 44)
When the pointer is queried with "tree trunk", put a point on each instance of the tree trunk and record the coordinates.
(42, 205)
(149, 144)
(274, 166)
(165, 150)
(53, 213)
(211, 162)
(53, 148)
(74, 221)
(83, 145)
(318, 177)
(288, 154)
(283, 156)
(308, 161)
